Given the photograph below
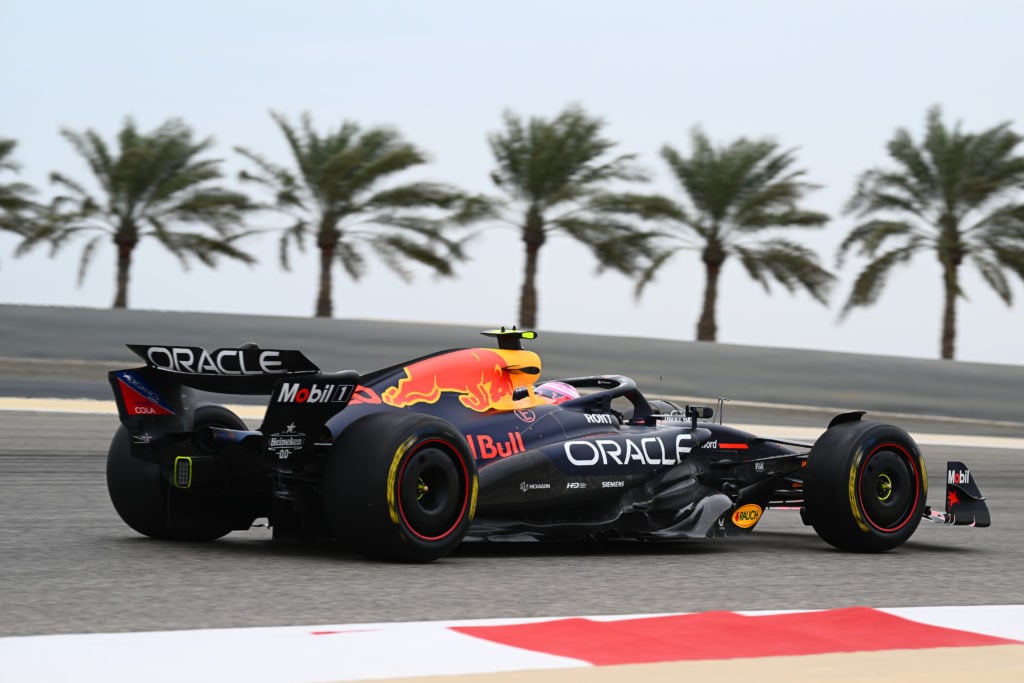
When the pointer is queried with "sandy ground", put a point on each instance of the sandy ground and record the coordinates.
(993, 664)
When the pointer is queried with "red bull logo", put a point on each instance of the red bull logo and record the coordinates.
(480, 377)
(486, 447)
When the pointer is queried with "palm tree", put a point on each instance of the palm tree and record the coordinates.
(154, 183)
(735, 193)
(956, 194)
(15, 200)
(555, 174)
(336, 196)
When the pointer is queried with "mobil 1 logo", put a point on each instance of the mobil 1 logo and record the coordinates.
(317, 392)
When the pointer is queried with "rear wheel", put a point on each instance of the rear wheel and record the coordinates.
(142, 493)
(865, 486)
(400, 486)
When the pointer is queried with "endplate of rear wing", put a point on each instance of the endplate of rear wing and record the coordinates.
(157, 403)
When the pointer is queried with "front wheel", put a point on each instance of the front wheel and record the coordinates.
(400, 486)
(865, 486)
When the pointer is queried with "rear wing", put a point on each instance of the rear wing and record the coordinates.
(244, 370)
(159, 400)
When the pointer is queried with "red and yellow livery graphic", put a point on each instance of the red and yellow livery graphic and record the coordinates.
(484, 379)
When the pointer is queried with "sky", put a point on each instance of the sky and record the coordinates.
(832, 80)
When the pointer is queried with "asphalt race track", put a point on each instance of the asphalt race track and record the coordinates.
(69, 565)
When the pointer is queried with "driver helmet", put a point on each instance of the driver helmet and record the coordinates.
(556, 392)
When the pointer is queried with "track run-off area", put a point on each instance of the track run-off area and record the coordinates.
(80, 589)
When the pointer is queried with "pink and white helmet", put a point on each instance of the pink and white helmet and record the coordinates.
(556, 392)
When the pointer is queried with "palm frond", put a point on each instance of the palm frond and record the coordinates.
(992, 273)
(16, 202)
(426, 226)
(351, 259)
(56, 229)
(91, 147)
(223, 210)
(880, 191)
(32, 239)
(1004, 221)
(293, 235)
(298, 148)
(390, 257)
(413, 195)
(85, 260)
(77, 188)
(644, 207)
(170, 241)
(271, 176)
(872, 279)
(393, 246)
(206, 249)
(626, 252)
(870, 237)
(919, 174)
(617, 245)
(368, 165)
(471, 209)
(1010, 257)
(792, 265)
(646, 275)
(549, 162)
(7, 146)
(791, 218)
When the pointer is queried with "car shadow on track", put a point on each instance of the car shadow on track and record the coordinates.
(789, 540)
(237, 544)
(767, 542)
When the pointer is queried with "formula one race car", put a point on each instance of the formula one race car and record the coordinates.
(406, 462)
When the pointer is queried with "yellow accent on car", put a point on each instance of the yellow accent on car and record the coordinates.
(393, 475)
(472, 498)
(747, 516)
(182, 472)
(857, 516)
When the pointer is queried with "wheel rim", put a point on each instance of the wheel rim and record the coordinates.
(433, 492)
(888, 487)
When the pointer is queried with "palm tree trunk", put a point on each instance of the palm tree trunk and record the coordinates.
(324, 301)
(124, 265)
(533, 237)
(951, 255)
(952, 288)
(713, 257)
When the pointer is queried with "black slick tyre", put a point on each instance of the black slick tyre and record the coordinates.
(865, 486)
(400, 487)
(140, 491)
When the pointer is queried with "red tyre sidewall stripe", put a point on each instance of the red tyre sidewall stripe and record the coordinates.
(917, 486)
(448, 448)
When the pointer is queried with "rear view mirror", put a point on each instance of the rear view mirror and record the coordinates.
(700, 412)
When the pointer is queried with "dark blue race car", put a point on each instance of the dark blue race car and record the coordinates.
(406, 462)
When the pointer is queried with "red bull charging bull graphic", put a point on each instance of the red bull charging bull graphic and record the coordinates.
(483, 379)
